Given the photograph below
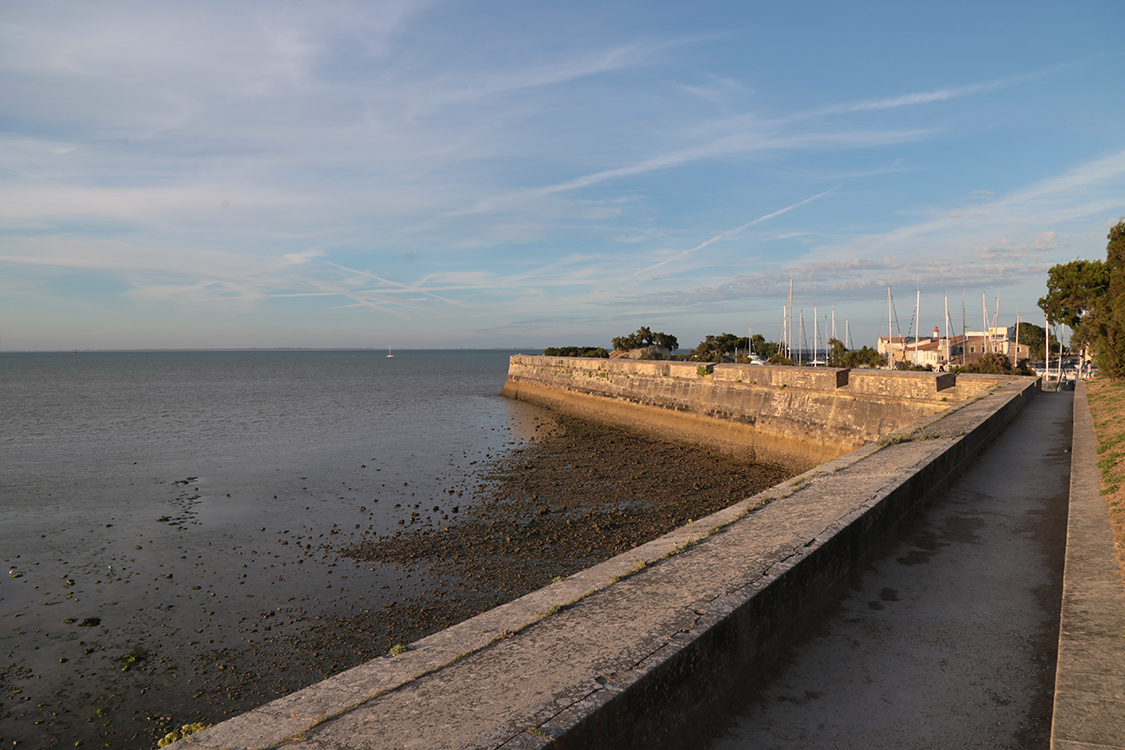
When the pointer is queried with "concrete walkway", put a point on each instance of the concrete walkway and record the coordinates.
(1090, 689)
(948, 639)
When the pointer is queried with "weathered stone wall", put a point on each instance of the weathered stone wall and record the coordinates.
(793, 417)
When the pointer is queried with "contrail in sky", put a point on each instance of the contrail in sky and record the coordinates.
(729, 232)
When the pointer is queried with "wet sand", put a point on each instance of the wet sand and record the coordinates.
(577, 494)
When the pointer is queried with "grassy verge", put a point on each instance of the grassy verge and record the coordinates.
(1107, 404)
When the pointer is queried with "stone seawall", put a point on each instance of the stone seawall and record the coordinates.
(645, 649)
(792, 417)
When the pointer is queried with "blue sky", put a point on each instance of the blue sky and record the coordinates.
(513, 174)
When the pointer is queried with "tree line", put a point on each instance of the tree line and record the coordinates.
(1088, 296)
(723, 347)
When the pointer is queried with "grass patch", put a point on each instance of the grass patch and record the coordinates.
(399, 648)
(907, 437)
(1105, 445)
(1107, 405)
(686, 546)
(638, 566)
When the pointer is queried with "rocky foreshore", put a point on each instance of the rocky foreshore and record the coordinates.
(578, 494)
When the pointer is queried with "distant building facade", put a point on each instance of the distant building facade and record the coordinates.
(938, 351)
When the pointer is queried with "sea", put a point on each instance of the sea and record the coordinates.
(150, 501)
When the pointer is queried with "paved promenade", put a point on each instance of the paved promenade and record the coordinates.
(948, 640)
(1090, 689)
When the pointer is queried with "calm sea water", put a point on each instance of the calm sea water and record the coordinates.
(146, 490)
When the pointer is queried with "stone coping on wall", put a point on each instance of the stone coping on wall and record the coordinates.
(895, 383)
(1089, 707)
(636, 651)
(789, 417)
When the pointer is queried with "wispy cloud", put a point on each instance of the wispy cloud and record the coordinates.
(425, 161)
(730, 233)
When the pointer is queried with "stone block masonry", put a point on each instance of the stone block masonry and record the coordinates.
(792, 417)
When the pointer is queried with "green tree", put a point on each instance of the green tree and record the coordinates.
(1075, 292)
(836, 353)
(1033, 337)
(764, 349)
(781, 359)
(865, 357)
(645, 337)
(839, 356)
(576, 351)
(993, 363)
(1089, 296)
(1109, 345)
(712, 348)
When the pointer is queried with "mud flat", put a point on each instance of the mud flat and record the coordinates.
(577, 494)
(581, 494)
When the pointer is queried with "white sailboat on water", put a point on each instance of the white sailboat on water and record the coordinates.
(389, 354)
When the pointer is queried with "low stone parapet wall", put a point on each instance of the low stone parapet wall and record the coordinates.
(792, 417)
(646, 649)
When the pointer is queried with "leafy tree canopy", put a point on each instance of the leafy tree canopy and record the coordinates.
(1075, 292)
(836, 353)
(839, 356)
(576, 351)
(712, 348)
(645, 337)
(865, 357)
(996, 363)
(1089, 297)
(1109, 344)
(1033, 336)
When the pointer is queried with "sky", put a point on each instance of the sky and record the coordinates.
(521, 175)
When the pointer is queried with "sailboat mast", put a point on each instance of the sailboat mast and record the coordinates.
(789, 330)
(784, 321)
(815, 336)
(964, 326)
(917, 322)
(984, 321)
(996, 324)
(1017, 355)
(890, 338)
(804, 343)
(946, 324)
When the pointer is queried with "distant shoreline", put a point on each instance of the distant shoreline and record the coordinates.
(277, 349)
